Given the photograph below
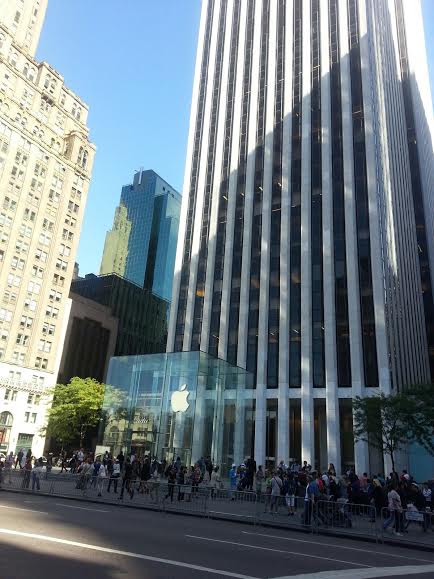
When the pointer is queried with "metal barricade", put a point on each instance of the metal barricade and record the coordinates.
(286, 511)
(185, 498)
(25, 480)
(408, 525)
(342, 516)
(232, 504)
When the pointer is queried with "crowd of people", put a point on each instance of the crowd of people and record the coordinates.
(289, 486)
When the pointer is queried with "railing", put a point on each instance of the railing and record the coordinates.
(408, 525)
(322, 516)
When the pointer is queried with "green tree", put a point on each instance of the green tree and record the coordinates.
(389, 423)
(76, 408)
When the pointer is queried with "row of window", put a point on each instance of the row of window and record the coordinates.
(50, 83)
(32, 398)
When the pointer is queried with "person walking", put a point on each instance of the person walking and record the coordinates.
(395, 509)
(36, 474)
(64, 463)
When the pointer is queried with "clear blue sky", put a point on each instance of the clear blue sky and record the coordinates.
(132, 61)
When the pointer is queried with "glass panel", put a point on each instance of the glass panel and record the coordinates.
(183, 404)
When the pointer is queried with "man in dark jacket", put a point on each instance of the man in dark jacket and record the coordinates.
(127, 476)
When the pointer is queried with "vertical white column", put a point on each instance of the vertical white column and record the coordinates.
(232, 189)
(186, 185)
(332, 396)
(217, 177)
(283, 403)
(307, 416)
(357, 378)
(243, 325)
(199, 420)
(374, 219)
(203, 162)
(261, 386)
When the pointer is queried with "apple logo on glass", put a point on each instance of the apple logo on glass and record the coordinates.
(179, 399)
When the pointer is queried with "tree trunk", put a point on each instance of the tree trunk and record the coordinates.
(392, 458)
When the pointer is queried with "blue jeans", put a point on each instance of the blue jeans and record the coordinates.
(35, 481)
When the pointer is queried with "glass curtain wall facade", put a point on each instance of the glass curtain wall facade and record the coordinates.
(141, 246)
(185, 404)
(305, 253)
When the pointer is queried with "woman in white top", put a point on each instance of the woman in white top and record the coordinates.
(102, 475)
(36, 474)
(215, 481)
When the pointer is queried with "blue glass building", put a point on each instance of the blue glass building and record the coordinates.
(141, 246)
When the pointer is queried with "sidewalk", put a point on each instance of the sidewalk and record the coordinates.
(354, 521)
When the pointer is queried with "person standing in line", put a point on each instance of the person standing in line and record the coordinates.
(8, 466)
(102, 475)
(36, 474)
(121, 459)
(312, 491)
(259, 481)
(155, 485)
(171, 481)
(85, 471)
(290, 486)
(180, 479)
(233, 481)
(215, 482)
(276, 491)
(49, 466)
(80, 456)
(114, 477)
(19, 459)
(145, 475)
(127, 479)
(27, 470)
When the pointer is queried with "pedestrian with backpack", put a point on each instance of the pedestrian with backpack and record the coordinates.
(276, 491)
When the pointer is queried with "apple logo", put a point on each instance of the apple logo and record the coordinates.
(179, 399)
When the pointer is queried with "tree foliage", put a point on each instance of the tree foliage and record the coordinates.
(75, 409)
(391, 422)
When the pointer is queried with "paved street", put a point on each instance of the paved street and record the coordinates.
(42, 535)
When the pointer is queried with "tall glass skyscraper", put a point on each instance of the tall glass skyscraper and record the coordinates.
(142, 243)
(305, 252)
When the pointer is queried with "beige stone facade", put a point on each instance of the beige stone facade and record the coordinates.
(45, 167)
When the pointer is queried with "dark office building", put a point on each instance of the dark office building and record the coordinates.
(142, 316)
(90, 340)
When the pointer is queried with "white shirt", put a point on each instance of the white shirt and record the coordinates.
(276, 485)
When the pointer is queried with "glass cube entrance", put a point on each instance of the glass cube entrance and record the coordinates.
(185, 404)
